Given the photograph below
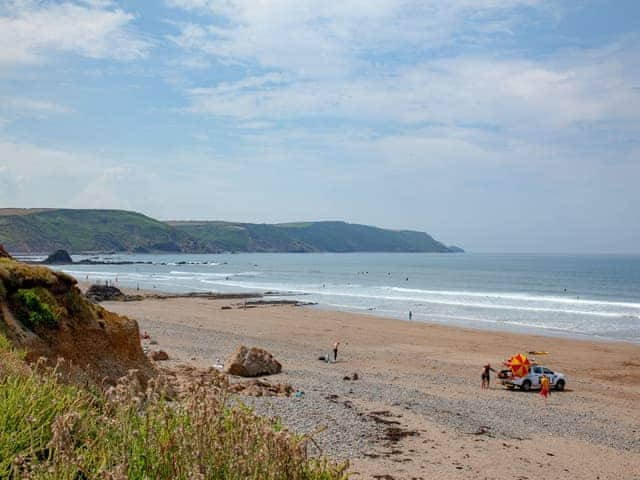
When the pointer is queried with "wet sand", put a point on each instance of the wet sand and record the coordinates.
(417, 410)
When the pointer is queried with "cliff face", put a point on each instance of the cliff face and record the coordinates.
(45, 314)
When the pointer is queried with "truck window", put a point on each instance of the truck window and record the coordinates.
(547, 371)
(537, 370)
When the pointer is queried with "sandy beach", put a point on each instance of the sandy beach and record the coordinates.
(417, 410)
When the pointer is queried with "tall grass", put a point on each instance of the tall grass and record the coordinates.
(49, 430)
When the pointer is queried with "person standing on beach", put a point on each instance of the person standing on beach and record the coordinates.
(544, 386)
(486, 375)
(410, 314)
(335, 350)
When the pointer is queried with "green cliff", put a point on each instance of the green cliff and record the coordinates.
(46, 230)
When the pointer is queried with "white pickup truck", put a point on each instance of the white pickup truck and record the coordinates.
(532, 380)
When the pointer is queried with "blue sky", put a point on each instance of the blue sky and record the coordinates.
(497, 125)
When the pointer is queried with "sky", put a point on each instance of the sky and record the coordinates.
(496, 125)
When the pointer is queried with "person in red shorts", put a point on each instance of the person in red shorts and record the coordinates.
(544, 386)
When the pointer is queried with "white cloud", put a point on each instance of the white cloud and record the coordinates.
(32, 106)
(516, 95)
(110, 187)
(36, 176)
(30, 31)
(328, 60)
(9, 185)
(319, 39)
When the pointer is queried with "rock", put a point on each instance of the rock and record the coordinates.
(260, 388)
(225, 307)
(101, 293)
(4, 253)
(159, 355)
(59, 257)
(252, 362)
(354, 376)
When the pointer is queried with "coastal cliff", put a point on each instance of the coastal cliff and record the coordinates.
(46, 230)
(44, 314)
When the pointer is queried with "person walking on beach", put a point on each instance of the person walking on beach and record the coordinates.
(544, 387)
(335, 351)
(486, 375)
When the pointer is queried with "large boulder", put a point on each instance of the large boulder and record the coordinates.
(159, 355)
(103, 293)
(252, 362)
(59, 257)
(4, 253)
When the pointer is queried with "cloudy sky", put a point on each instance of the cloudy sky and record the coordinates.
(497, 125)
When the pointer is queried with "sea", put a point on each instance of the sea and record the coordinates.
(587, 296)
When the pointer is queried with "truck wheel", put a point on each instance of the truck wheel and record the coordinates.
(560, 385)
(526, 385)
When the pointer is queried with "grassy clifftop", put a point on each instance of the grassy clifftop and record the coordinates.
(308, 237)
(46, 230)
(88, 230)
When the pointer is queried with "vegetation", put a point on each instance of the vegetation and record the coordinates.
(88, 230)
(115, 230)
(49, 430)
(308, 237)
(146, 426)
(34, 308)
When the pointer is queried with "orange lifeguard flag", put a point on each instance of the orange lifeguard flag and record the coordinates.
(519, 365)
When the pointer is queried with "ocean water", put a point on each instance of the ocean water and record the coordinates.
(594, 296)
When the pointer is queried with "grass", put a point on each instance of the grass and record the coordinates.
(49, 430)
(85, 230)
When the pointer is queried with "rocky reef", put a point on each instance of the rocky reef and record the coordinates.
(59, 257)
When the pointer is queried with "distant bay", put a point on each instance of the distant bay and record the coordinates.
(590, 296)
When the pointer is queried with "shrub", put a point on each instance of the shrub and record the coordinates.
(34, 311)
(5, 345)
(52, 431)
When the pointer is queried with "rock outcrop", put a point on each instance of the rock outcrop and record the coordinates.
(260, 388)
(159, 355)
(44, 313)
(252, 362)
(102, 293)
(3, 252)
(59, 257)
